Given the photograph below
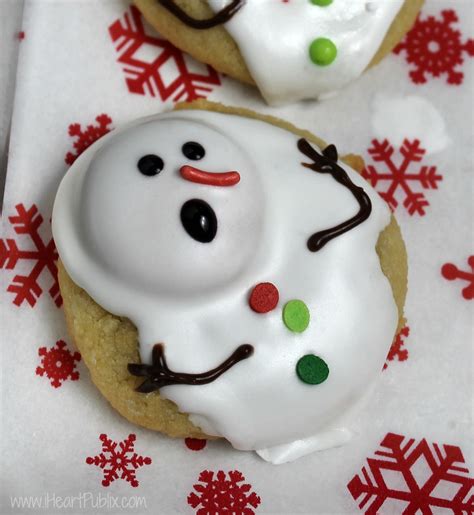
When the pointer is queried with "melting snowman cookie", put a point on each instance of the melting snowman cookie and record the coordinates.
(291, 50)
(246, 258)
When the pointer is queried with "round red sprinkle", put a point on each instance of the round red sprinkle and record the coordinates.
(195, 444)
(264, 297)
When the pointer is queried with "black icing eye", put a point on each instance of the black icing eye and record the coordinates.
(199, 220)
(150, 165)
(193, 150)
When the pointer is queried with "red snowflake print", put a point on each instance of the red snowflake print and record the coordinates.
(436, 49)
(452, 272)
(409, 477)
(124, 460)
(148, 60)
(58, 363)
(27, 222)
(399, 176)
(396, 350)
(85, 137)
(195, 444)
(218, 494)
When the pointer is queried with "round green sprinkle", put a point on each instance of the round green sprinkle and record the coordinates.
(321, 3)
(296, 316)
(312, 370)
(322, 51)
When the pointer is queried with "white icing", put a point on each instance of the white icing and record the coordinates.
(400, 117)
(294, 450)
(120, 237)
(274, 39)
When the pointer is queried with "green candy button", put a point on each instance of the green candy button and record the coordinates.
(296, 316)
(321, 3)
(312, 370)
(322, 51)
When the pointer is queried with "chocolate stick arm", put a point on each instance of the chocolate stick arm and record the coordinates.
(317, 240)
(327, 163)
(220, 17)
(158, 373)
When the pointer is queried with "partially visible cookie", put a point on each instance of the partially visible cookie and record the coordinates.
(293, 50)
(137, 234)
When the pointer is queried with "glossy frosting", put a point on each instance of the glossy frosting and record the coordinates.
(120, 236)
(274, 38)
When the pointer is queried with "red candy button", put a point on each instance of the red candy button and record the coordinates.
(195, 444)
(264, 297)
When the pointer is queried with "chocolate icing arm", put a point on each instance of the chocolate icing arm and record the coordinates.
(158, 374)
(327, 163)
(220, 17)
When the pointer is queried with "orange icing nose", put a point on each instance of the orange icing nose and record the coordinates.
(211, 179)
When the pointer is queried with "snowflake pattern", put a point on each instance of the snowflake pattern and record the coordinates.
(124, 460)
(58, 363)
(436, 48)
(145, 59)
(85, 138)
(27, 222)
(396, 350)
(218, 494)
(399, 175)
(418, 478)
(451, 272)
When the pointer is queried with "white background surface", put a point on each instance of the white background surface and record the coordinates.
(10, 21)
(68, 73)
